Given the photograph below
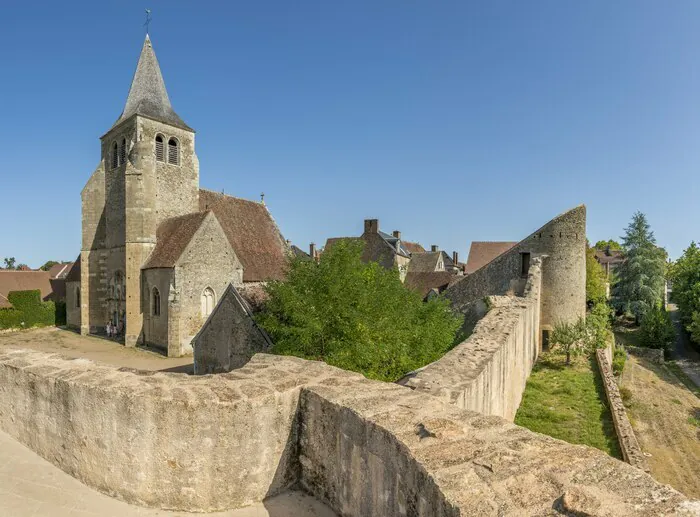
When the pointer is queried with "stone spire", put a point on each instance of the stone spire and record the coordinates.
(147, 95)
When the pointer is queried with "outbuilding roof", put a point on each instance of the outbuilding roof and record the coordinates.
(12, 280)
(483, 252)
(424, 282)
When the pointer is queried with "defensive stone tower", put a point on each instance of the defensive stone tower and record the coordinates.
(148, 172)
(562, 245)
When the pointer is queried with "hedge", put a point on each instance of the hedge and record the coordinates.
(28, 311)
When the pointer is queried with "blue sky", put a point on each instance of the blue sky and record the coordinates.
(450, 121)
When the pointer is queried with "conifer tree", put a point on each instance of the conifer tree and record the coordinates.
(641, 281)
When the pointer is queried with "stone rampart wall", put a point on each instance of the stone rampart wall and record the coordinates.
(365, 447)
(631, 451)
(488, 372)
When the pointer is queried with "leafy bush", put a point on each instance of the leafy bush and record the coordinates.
(27, 311)
(619, 358)
(357, 316)
(685, 277)
(599, 325)
(584, 335)
(656, 330)
(570, 338)
(595, 279)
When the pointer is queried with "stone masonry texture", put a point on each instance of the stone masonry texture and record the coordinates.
(488, 371)
(629, 445)
(562, 245)
(364, 447)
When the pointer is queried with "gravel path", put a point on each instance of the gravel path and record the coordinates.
(683, 352)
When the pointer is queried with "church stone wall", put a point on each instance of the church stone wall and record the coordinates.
(208, 261)
(155, 327)
(72, 305)
(206, 443)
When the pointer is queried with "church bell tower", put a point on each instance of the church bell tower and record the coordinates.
(151, 173)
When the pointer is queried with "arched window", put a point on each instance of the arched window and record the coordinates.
(160, 148)
(122, 152)
(115, 156)
(173, 152)
(77, 296)
(156, 302)
(208, 301)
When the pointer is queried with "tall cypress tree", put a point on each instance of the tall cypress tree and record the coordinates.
(640, 285)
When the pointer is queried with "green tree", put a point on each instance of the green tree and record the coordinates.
(570, 338)
(9, 263)
(641, 278)
(357, 316)
(656, 329)
(48, 265)
(595, 279)
(612, 244)
(684, 275)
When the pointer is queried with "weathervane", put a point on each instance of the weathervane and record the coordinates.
(262, 198)
(148, 19)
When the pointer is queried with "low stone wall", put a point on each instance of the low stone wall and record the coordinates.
(655, 355)
(364, 447)
(631, 451)
(488, 372)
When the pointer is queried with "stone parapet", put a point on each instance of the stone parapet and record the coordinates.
(488, 371)
(203, 443)
(631, 451)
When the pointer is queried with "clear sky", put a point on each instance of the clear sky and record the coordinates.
(450, 121)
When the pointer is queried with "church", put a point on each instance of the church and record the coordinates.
(157, 251)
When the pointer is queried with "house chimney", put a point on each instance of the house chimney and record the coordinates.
(434, 247)
(396, 234)
(312, 250)
(455, 258)
(371, 225)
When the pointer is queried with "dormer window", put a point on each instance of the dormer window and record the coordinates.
(160, 148)
(173, 152)
(115, 156)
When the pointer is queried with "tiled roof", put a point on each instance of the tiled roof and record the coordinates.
(24, 281)
(425, 282)
(424, 262)
(413, 247)
(172, 237)
(254, 294)
(609, 256)
(252, 232)
(483, 252)
(74, 273)
(60, 270)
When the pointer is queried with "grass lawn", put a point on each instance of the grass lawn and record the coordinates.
(569, 403)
